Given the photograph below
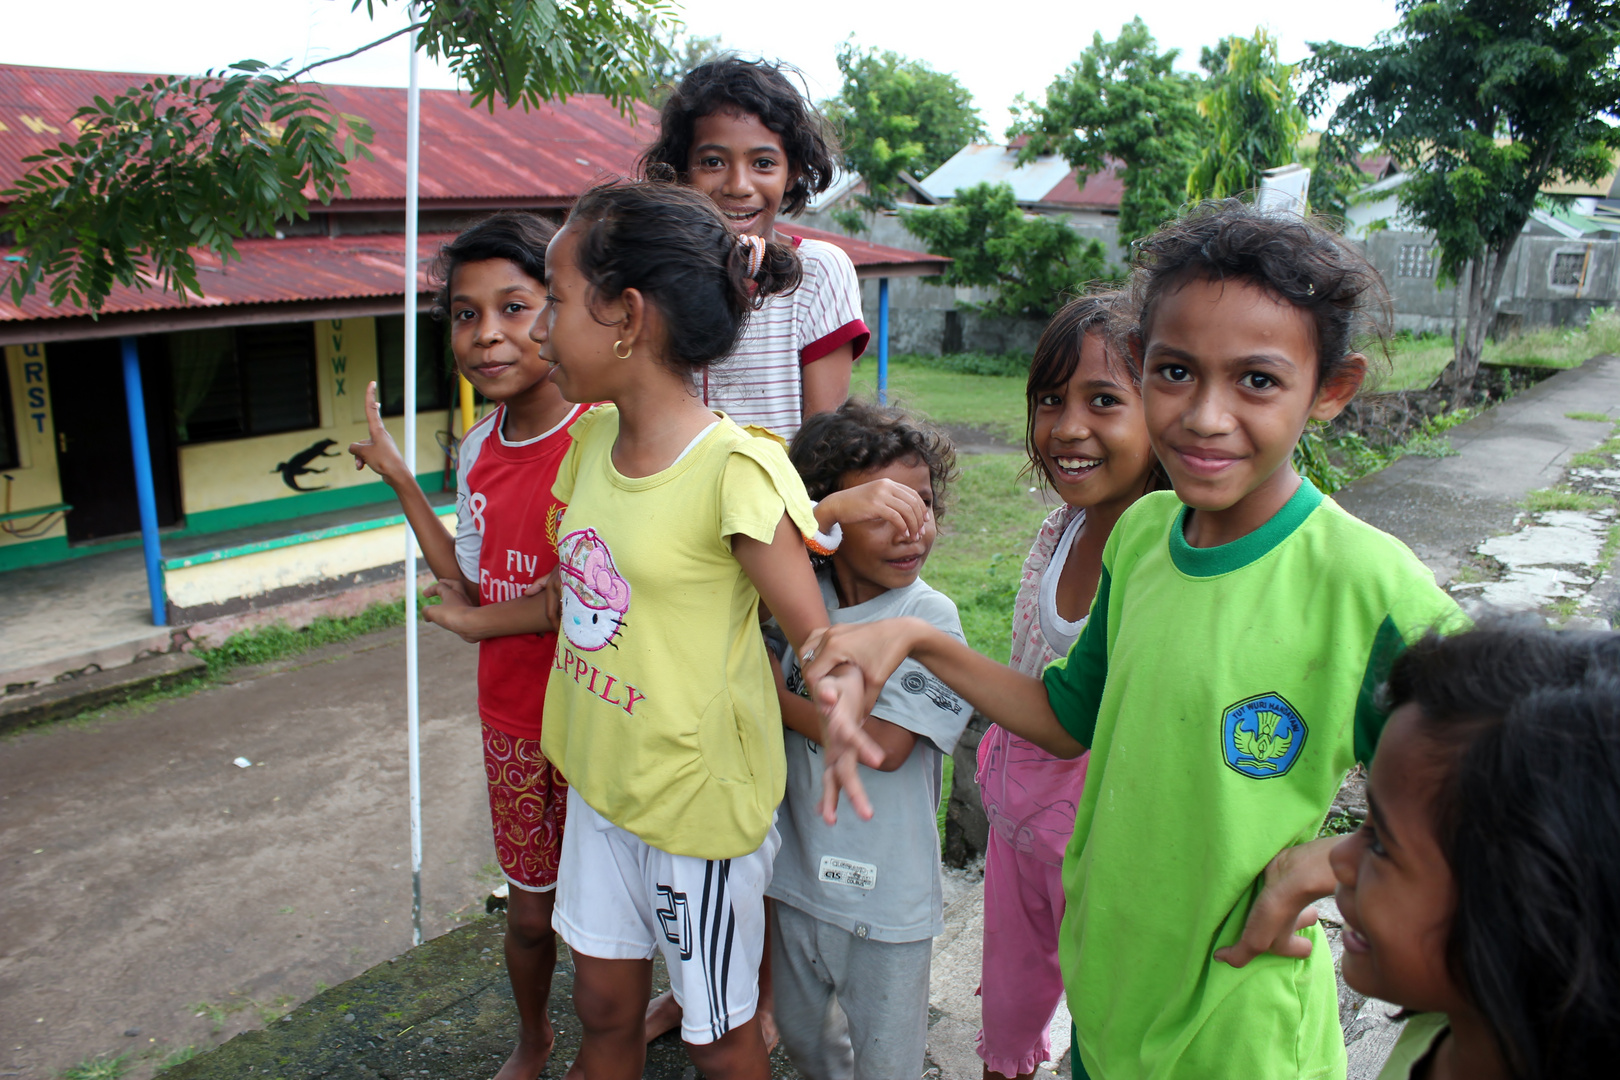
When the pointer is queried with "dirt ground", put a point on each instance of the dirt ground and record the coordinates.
(145, 879)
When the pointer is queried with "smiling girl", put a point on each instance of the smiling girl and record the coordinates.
(739, 132)
(1480, 893)
(661, 710)
(1224, 679)
(491, 290)
(1087, 441)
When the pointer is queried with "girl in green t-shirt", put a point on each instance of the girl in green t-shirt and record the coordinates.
(1222, 681)
(1481, 891)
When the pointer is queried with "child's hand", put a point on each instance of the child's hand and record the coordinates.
(841, 705)
(848, 665)
(452, 603)
(884, 499)
(551, 586)
(377, 449)
(1296, 878)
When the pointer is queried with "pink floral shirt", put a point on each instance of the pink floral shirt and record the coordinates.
(1030, 796)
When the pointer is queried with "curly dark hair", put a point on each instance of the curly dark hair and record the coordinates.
(671, 244)
(1300, 261)
(1525, 724)
(858, 437)
(514, 235)
(756, 87)
(1057, 356)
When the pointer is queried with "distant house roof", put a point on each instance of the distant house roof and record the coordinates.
(1046, 182)
(470, 157)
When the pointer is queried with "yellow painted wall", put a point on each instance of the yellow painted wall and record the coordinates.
(222, 474)
(34, 482)
(261, 572)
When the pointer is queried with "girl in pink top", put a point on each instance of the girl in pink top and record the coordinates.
(1086, 439)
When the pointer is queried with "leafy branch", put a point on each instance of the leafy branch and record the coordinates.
(180, 165)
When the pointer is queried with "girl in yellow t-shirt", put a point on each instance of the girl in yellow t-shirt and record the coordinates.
(661, 708)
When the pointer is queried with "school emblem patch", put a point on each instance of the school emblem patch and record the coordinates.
(1262, 736)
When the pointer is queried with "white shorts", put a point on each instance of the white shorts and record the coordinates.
(619, 898)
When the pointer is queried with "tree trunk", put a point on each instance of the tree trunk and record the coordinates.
(1484, 281)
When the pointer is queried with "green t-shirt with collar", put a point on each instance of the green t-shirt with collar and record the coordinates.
(1224, 693)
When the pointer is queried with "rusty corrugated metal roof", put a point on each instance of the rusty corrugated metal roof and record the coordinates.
(871, 260)
(270, 271)
(348, 267)
(547, 155)
(1101, 191)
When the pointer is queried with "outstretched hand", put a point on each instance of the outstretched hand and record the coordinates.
(884, 499)
(1294, 880)
(377, 449)
(847, 666)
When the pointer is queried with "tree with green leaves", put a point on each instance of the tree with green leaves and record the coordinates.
(178, 164)
(1030, 262)
(1485, 103)
(1123, 100)
(897, 115)
(1255, 122)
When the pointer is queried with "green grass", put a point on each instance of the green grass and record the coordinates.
(1594, 417)
(993, 403)
(1560, 499)
(177, 1057)
(1417, 360)
(987, 529)
(98, 1068)
(1600, 456)
(1415, 363)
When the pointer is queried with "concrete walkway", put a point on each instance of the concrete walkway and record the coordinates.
(93, 612)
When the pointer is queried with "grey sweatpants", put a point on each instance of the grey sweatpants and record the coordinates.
(848, 1008)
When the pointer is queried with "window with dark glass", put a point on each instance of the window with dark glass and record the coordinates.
(247, 380)
(8, 428)
(435, 370)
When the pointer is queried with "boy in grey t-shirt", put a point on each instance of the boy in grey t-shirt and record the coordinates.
(859, 903)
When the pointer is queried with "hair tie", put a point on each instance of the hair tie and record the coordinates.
(756, 253)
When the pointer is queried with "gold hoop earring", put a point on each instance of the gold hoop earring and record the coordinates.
(622, 355)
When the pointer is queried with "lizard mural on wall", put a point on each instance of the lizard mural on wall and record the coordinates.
(300, 465)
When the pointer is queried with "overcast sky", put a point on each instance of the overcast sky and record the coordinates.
(998, 51)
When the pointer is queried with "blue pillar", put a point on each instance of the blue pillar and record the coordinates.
(883, 341)
(145, 495)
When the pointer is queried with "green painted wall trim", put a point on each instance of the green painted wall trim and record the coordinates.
(57, 549)
(39, 552)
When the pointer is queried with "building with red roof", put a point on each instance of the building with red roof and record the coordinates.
(270, 365)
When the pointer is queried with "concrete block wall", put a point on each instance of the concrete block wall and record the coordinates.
(1532, 293)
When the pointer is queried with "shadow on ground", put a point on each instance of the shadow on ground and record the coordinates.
(443, 1010)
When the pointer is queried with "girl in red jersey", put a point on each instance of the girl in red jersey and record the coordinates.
(506, 539)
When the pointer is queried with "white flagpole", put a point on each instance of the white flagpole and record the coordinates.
(413, 121)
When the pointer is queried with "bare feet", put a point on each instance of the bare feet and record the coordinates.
(767, 1028)
(529, 1056)
(663, 1015)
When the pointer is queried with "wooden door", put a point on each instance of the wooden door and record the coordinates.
(93, 455)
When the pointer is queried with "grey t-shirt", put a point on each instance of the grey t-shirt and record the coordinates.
(878, 879)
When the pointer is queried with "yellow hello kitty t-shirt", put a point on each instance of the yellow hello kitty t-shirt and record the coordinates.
(661, 708)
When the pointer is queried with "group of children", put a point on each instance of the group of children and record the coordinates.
(723, 632)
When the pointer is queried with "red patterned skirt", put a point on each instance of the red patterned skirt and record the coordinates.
(528, 800)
